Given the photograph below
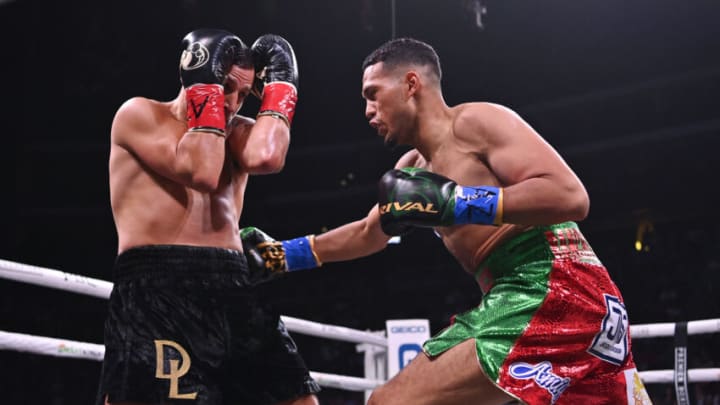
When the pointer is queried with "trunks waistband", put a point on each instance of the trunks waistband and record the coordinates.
(562, 241)
(143, 261)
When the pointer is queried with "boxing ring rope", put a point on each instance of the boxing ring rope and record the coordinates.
(90, 351)
(51, 278)
(100, 288)
(370, 342)
(652, 330)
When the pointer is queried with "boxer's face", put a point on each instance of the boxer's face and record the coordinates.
(237, 87)
(386, 107)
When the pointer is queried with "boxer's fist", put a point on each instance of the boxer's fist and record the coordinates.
(274, 61)
(270, 258)
(265, 255)
(276, 79)
(208, 55)
(416, 197)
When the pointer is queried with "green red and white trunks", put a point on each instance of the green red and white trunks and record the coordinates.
(552, 327)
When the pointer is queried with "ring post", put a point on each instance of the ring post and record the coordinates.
(405, 340)
(375, 362)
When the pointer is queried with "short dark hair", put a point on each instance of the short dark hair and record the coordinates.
(403, 51)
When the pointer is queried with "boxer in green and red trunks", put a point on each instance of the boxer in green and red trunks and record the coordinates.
(532, 285)
(552, 327)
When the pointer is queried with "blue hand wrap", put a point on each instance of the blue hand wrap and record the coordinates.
(478, 205)
(299, 254)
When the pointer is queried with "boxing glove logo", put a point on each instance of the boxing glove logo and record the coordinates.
(273, 255)
(194, 57)
(408, 206)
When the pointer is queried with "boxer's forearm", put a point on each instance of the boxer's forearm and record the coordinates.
(350, 241)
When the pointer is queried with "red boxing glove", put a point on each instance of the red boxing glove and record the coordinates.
(208, 55)
(276, 78)
(279, 99)
(206, 108)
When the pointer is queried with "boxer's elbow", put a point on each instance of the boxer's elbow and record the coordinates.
(201, 177)
(266, 164)
(267, 147)
(578, 205)
(204, 184)
(272, 162)
(199, 165)
(266, 161)
(201, 182)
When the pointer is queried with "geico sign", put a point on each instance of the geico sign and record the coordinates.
(408, 329)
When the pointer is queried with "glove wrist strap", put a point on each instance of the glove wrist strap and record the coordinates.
(206, 108)
(278, 100)
(479, 205)
(300, 253)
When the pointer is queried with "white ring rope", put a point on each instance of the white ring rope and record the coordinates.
(651, 330)
(80, 350)
(99, 288)
(55, 279)
(21, 342)
(333, 332)
(695, 375)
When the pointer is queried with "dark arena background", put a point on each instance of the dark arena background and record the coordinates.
(627, 91)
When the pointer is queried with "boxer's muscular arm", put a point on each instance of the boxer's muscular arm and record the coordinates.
(196, 157)
(259, 147)
(201, 150)
(538, 186)
(350, 241)
(356, 239)
(360, 238)
(262, 150)
(139, 128)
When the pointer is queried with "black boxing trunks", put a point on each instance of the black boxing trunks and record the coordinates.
(185, 327)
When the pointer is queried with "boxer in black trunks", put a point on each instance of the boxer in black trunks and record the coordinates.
(184, 325)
